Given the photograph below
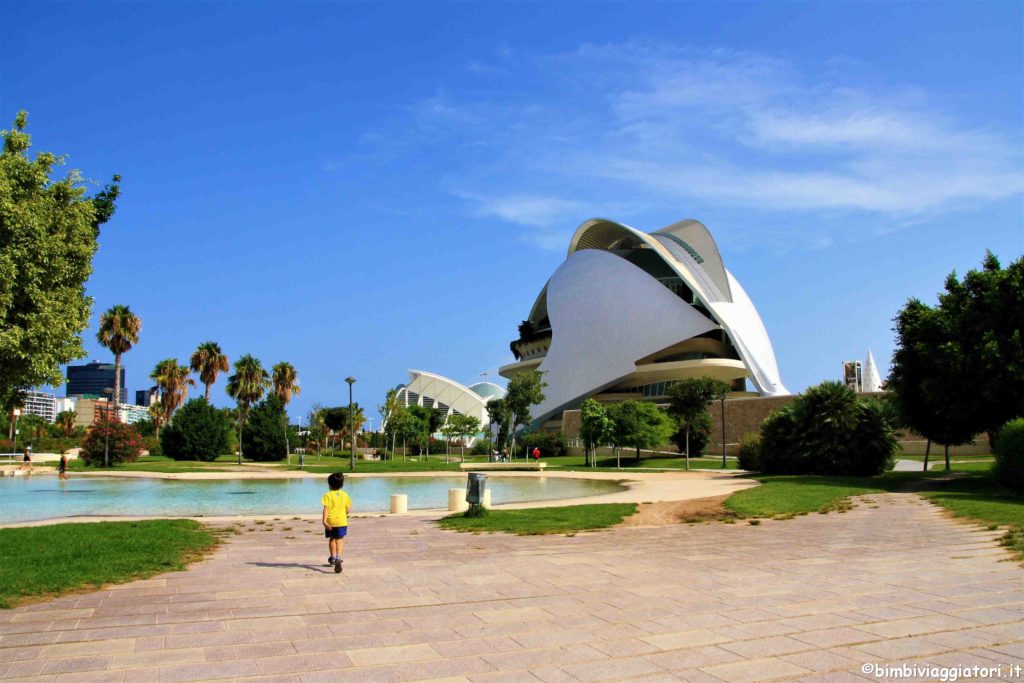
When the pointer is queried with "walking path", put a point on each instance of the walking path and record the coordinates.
(893, 581)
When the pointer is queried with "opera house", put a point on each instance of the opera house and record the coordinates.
(628, 313)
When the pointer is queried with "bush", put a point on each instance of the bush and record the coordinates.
(749, 455)
(198, 432)
(1009, 452)
(482, 447)
(551, 444)
(263, 434)
(700, 434)
(152, 445)
(828, 430)
(125, 444)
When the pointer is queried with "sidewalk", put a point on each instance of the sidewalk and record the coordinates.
(892, 581)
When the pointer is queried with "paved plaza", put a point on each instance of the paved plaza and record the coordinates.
(892, 581)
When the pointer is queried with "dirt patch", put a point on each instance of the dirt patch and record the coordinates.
(675, 512)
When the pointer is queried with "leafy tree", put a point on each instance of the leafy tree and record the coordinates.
(524, 391)
(499, 414)
(639, 424)
(119, 330)
(262, 431)
(32, 426)
(459, 427)
(550, 444)
(423, 418)
(930, 381)
(335, 419)
(173, 381)
(48, 233)
(315, 426)
(118, 439)
(209, 361)
(697, 439)
(688, 404)
(247, 386)
(199, 432)
(1009, 452)
(405, 425)
(145, 427)
(66, 422)
(385, 410)
(596, 428)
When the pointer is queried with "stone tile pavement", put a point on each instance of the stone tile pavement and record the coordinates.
(893, 581)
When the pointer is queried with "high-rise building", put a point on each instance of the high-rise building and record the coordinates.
(92, 379)
(41, 404)
(853, 375)
(146, 397)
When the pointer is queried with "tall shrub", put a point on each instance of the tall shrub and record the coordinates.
(198, 432)
(263, 434)
(123, 442)
(1009, 452)
(828, 430)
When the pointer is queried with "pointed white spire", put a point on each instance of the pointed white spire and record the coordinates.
(872, 382)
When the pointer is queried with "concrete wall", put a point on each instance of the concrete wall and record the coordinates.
(745, 415)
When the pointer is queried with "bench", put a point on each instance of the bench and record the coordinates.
(535, 466)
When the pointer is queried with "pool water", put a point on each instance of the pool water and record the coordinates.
(25, 499)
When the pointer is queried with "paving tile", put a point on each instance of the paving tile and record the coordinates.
(754, 670)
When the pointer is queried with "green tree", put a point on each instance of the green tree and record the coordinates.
(424, 423)
(66, 421)
(596, 428)
(525, 390)
(199, 432)
(247, 386)
(315, 428)
(286, 384)
(929, 381)
(639, 424)
(688, 404)
(499, 414)
(173, 381)
(460, 426)
(48, 236)
(385, 411)
(208, 361)
(119, 330)
(262, 431)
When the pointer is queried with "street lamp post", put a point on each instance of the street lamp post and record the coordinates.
(106, 430)
(351, 428)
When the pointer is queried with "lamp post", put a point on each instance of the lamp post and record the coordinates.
(351, 428)
(106, 428)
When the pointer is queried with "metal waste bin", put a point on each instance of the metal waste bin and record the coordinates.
(475, 486)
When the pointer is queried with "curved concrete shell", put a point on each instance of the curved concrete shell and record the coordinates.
(629, 313)
(447, 395)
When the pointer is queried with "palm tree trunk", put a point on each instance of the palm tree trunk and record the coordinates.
(687, 447)
(117, 384)
(207, 393)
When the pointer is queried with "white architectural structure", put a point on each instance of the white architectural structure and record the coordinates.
(435, 391)
(42, 404)
(872, 380)
(628, 313)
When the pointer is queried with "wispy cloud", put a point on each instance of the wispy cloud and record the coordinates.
(644, 124)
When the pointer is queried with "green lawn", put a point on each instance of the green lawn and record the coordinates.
(554, 520)
(787, 495)
(160, 463)
(607, 463)
(329, 464)
(46, 561)
(979, 497)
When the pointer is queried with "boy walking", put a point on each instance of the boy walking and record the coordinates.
(336, 506)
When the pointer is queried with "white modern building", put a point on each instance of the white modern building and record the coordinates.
(447, 395)
(628, 313)
(42, 404)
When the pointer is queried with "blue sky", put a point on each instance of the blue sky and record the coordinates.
(363, 188)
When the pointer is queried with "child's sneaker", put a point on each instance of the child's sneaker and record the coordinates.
(330, 561)
(337, 565)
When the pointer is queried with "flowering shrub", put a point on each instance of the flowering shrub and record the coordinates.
(124, 443)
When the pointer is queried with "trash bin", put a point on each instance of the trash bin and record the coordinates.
(475, 487)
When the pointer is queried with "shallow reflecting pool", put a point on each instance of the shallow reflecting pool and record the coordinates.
(25, 499)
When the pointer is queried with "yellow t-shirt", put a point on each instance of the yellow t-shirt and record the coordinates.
(337, 504)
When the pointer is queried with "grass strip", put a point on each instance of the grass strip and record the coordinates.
(535, 521)
(979, 497)
(787, 495)
(46, 561)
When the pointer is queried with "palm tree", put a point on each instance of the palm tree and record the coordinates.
(286, 384)
(247, 386)
(158, 415)
(119, 330)
(66, 421)
(209, 361)
(174, 381)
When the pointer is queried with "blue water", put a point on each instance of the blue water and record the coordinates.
(25, 499)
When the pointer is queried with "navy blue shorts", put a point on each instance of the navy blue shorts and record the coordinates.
(336, 532)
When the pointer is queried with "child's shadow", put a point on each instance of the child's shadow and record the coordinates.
(313, 567)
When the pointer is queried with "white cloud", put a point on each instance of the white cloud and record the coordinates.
(640, 124)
